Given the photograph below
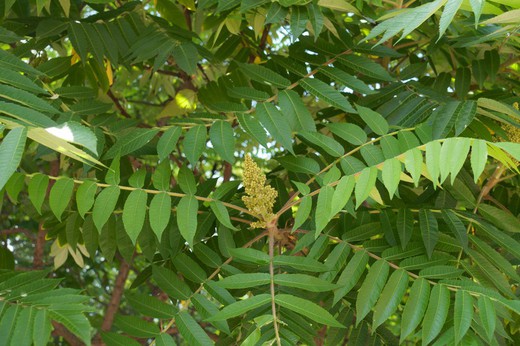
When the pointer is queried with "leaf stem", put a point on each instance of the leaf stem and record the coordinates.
(156, 192)
(273, 230)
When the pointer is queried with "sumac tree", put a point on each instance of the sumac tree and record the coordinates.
(259, 172)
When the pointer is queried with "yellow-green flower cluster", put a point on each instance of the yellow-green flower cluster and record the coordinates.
(513, 132)
(260, 197)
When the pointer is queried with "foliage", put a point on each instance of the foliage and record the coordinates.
(381, 204)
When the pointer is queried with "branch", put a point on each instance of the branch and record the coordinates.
(60, 330)
(273, 231)
(117, 293)
(16, 230)
(118, 105)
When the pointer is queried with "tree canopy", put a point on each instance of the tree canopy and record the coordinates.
(253, 172)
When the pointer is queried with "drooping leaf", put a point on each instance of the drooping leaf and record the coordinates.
(187, 217)
(170, 283)
(364, 184)
(60, 196)
(429, 230)
(327, 144)
(11, 149)
(222, 138)
(85, 196)
(487, 314)
(104, 205)
(185, 55)
(304, 282)
(194, 141)
(134, 212)
(323, 208)
(327, 93)
(222, 214)
(273, 120)
(371, 289)
(391, 296)
(241, 307)
(168, 141)
(349, 132)
(245, 280)
(374, 120)
(252, 126)
(463, 314)
(130, 142)
(351, 274)
(436, 313)
(307, 309)
(298, 116)
(415, 307)
(37, 190)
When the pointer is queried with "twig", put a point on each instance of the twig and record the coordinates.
(115, 299)
(273, 231)
(118, 104)
(60, 330)
(16, 230)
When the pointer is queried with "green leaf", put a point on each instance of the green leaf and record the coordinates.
(37, 190)
(349, 132)
(366, 66)
(316, 18)
(137, 178)
(161, 177)
(323, 208)
(26, 115)
(304, 282)
(299, 18)
(206, 309)
(456, 226)
(390, 297)
(327, 144)
(495, 257)
(351, 274)
(264, 75)
(114, 339)
(500, 238)
(238, 281)
(342, 194)
(223, 140)
(253, 128)
(241, 307)
(191, 331)
(194, 142)
(60, 196)
(391, 175)
(18, 80)
(299, 164)
(463, 314)
(164, 339)
(150, 306)
(135, 326)
(465, 114)
(346, 79)
(247, 93)
(304, 210)
(130, 142)
(187, 218)
(104, 206)
(189, 268)
(11, 150)
(364, 184)
(454, 152)
(186, 57)
(134, 212)
(27, 99)
(186, 181)
(507, 221)
(413, 161)
(74, 132)
(85, 196)
(113, 176)
(488, 316)
(75, 322)
(170, 283)
(273, 120)
(327, 93)
(436, 313)
(168, 141)
(371, 289)
(300, 263)
(374, 120)
(222, 214)
(298, 116)
(42, 328)
(429, 230)
(433, 160)
(415, 307)
(447, 16)
(478, 157)
(308, 309)
(249, 255)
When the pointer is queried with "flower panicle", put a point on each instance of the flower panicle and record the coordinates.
(259, 197)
